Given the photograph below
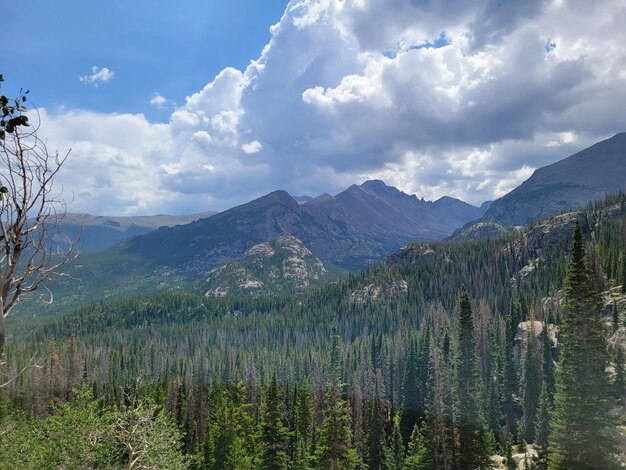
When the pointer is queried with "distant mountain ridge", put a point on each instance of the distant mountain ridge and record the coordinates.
(353, 229)
(97, 233)
(565, 185)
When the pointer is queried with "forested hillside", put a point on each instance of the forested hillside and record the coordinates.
(451, 355)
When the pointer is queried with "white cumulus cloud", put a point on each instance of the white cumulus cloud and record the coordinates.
(252, 147)
(159, 100)
(450, 97)
(98, 76)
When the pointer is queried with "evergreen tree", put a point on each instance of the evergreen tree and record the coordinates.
(618, 384)
(548, 361)
(233, 433)
(542, 429)
(376, 434)
(54, 374)
(394, 452)
(334, 452)
(582, 430)
(624, 272)
(410, 412)
(419, 455)
(514, 318)
(439, 426)
(510, 463)
(473, 446)
(531, 387)
(509, 380)
(302, 429)
(495, 389)
(274, 434)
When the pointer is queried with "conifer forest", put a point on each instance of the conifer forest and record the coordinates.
(497, 353)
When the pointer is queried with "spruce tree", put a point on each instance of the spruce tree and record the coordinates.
(618, 383)
(514, 318)
(419, 455)
(548, 361)
(623, 269)
(410, 412)
(582, 430)
(274, 433)
(542, 429)
(510, 463)
(509, 380)
(473, 444)
(302, 429)
(394, 452)
(531, 387)
(376, 434)
(334, 452)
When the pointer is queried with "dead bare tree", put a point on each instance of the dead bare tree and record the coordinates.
(30, 209)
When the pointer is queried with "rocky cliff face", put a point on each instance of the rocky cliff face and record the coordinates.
(278, 266)
(480, 230)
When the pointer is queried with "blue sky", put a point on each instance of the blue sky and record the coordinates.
(180, 107)
(152, 46)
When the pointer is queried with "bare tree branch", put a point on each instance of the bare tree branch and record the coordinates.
(30, 212)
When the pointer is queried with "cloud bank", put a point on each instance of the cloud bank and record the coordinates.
(448, 97)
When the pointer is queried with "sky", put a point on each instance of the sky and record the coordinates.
(182, 107)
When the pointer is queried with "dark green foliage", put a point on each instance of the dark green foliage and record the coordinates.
(618, 384)
(473, 446)
(510, 462)
(510, 376)
(11, 117)
(232, 437)
(302, 435)
(420, 452)
(530, 384)
(334, 452)
(548, 361)
(274, 434)
(394, 451)
(410, 414)
(376, 432)
(582, 430)
(542, 429)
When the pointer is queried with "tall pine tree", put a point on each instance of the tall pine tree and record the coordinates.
(542, 429)
(334, 451)
(274, 433)
(531, 386)
(509, 372)
(410, 413)
(473, 445)
(582, 430)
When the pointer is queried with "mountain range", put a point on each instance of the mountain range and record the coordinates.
(352, 230)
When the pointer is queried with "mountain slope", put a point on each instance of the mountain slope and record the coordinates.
(279, 266)
(353, 229)
(567, 184)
